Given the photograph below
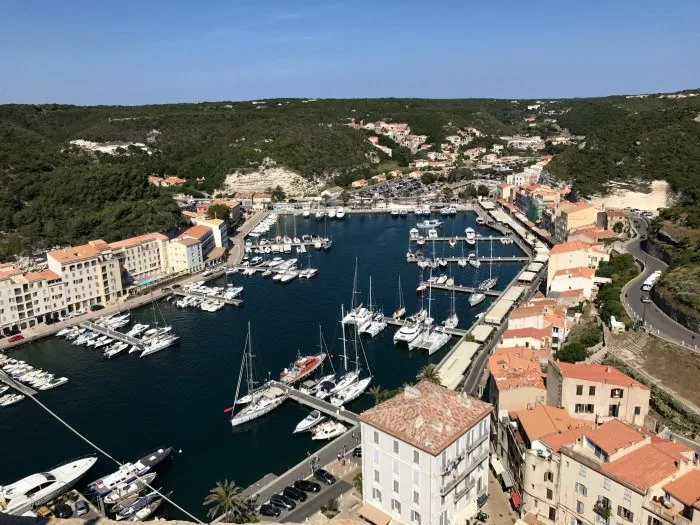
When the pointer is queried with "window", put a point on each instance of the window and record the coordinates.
(591, 390)
(552, 513)
(637, 411)
(416, 477)
(579, 390)
(376, 476)
(616, 393)
(395, 467)
(375, 457)
(395, 505)
(582, 471)
(550, 494)
(651, 520)
(624, 513)
(376, 437)
(628, 495)
(396, 447)
(613, 410)
(581, 489)
(416, 457)
(549, 476)
(580, 408)
(576, 521)
(415, 517)
(396, 486)
(579, 507)
(377, 495)
(416, 497)
(606, 484)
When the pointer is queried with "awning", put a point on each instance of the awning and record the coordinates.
(497, 466)
(515, 498)
(507, 480)
(374, 515)
(215, 253)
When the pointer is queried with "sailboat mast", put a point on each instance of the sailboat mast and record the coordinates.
(250, 361)
(491, 261)
(342, 327)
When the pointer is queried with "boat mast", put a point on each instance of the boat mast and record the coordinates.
(370, 295)
(342, 327)
(491, 261)
(251, 383)
(401, 305)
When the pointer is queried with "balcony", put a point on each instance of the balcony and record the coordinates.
(456, 478)
(670, 514)
(470, 485)
(603, 509)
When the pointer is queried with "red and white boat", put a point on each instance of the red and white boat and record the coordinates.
(301, 368)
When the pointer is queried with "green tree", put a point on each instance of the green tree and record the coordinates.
(429, 373)
(357, 482)
(448, 192)
(278, 194)
(428, 177)
(572, 353)
(533, 213)
(224, 500)
(330, 509)
(219, 211)
(618, 227)
(482, 190)
(345, 197)
(377, 392)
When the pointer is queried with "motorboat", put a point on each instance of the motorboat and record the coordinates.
(429, 223)
(395, 213)
(137, 330)
(328, 430)
(306, 214)
(470, 235)
(476, 298)
(289, 275)
(350, 393)
(403, 213)
(407, 333)
(488, 283)
(326, 244)
(452, 242)
(431, 340)
(148, 510)
(141, 504)
(313, 419)
(128, 472)
(476, 263)
(32, 491)
(320, 215)
(340, 213)
(432, 233)
(302, 368)
(331, 213)
(267, 273)
(480, 221)
(115, 349)
(442, 279)
(158, 344)
(127, 490)
(413, 233)
(10, 399)
(3, 389)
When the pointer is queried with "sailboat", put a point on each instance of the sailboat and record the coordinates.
(474, 261)
(263, 399)
(358, 314)
(308, 272)
(401, 308)
(350, 376)
(160, 338)
(476, 297)
(431, 339)
(462, 260)
(357, 386)
(377, 324)
(491, 281)
(452, 320)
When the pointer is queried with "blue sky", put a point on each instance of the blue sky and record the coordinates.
(153, 51)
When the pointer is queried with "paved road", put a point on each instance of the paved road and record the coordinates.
(312, 505)
(655, 321)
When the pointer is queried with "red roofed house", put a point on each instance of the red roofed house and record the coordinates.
(596, 392)
(574, 254)
(623, 474)
(28, 299)
(360, 183)
(425, 455)
(536, 338)
(580, 278)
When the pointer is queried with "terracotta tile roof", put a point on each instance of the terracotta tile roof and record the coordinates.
(427, 416)
(615, 435)
(74, 254)
(188, 241)
(648, 465)
(46, 275)
(9, 270)
(570, 246)
(545, 420)
(686, 489)
(598, 373)
(522, 333)
(526, 311)
(135, 241)
(196, 232)
(577, 206)
(556, 441)
(581, 271)
(516, 367)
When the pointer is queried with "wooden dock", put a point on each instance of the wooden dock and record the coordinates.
(23, 389)
(318, 404)
(232, 302)
(460, 288)
(114, 334)
(402, 322)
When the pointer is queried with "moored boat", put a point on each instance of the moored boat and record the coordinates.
(128, 472)
(301, 368)
(310, 421)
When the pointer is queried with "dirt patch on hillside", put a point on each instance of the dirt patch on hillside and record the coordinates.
(268, 175)
(649, 196)
(677, 368)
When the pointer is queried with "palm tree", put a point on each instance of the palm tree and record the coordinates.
(430, 373)
(223, 499)
(378, 394)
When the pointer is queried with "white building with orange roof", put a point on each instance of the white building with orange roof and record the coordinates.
(569, 279)
(574, 254)
(218, 228)
(425, 456)
(619, 473)
(140, 257)
(597, 392)
(537, 338)
(516, 378)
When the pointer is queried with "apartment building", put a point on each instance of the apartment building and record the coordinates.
(516, 378)
(28, 299)
(219, 230)
(574, 254)
(185, 255)
(89, 275)
(597, 392)
(620, 474)
(572, 216)
(425, 456)
(609, 218)
(569, 279)
(140, 257)
(533, 199)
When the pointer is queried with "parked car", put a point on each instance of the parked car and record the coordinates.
(63, 510)
(307, 485)
(294, 493)
(15, 338)
(269, 510)
(283, 502)
(81, 507)
(325, 476)
(646, 299)
(357, 452)
(96, 307)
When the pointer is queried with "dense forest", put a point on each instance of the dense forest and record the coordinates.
(54, 193)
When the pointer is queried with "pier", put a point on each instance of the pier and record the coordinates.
(513, 258)
(16, 384)
(318, 404)
(460, 288)
(114, 334)
(233, 302)
(402, 322)
(458, 238)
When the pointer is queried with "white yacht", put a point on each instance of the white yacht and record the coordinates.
(32, 491)
(470, 235)
(476, 298)
(429, 223)
(331, 213)
(310, 421)
(306, 214)
(351, 393)
(328, 430)
(137, 330)
(158, 344)
(413, 233)
(407, 333)
(125, 490)
(340, 213)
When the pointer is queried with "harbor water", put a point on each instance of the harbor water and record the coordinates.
(130, 406)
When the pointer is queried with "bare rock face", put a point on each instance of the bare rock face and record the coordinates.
(268, 175)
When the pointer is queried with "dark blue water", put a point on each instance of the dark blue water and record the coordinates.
(130, 405)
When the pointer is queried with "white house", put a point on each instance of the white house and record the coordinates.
(425, 456)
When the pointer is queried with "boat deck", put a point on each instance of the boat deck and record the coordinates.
(402, 322)
(233, 302)
(318, 404)
(23, 389)
(114, 334)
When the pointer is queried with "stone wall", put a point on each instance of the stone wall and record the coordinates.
(687, 319)
(656, 249)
